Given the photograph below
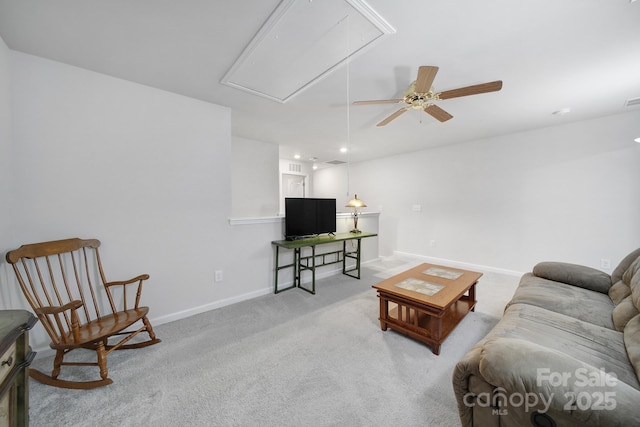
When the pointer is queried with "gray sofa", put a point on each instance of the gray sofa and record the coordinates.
(566, 352)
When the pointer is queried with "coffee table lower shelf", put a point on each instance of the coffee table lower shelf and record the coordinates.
(422, 322)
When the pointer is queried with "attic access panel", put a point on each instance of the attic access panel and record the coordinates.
(302, 42)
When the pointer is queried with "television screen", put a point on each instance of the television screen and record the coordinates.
(309, 216)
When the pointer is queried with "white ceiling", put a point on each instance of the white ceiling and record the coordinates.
(550, 54)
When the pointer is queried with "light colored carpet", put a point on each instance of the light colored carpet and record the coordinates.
(292, 359)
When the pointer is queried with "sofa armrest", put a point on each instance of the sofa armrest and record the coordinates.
(574, 274)
(465, 369)
(528, 378)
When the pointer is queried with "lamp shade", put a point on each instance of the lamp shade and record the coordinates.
(355, 203)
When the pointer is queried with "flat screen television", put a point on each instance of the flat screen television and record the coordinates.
(306, 216)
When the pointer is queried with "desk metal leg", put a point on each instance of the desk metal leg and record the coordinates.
(296, 267)
(313, 271)
(277, 269)
(357, 258)
(344, 257)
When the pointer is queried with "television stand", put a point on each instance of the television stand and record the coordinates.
(310, 262)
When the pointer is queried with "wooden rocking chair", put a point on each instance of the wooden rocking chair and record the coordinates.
(57, 279)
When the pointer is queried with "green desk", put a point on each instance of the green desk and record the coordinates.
(311, 262)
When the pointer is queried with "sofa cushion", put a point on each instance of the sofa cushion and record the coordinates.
(635, 289)
(631, 271)
(621, 277)
(619, 291)
(574, 274)
(624, 312)
(594, 345)
(583, 304)
(620, 269)
(632, 342)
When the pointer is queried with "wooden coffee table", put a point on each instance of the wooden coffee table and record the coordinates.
(427, 302)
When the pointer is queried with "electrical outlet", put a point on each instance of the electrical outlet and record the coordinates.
(218, 276)
(432, 243)
(605, 263)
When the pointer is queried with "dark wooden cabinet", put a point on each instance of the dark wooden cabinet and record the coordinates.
(15, 357)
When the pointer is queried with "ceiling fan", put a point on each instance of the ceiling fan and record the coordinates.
(420, 95)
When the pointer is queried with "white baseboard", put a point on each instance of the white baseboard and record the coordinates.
(207, 307)
(463, 265)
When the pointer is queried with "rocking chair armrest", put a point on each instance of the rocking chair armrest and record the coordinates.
(57, 325)
(139, 278)
(73, 305)
(125, 305)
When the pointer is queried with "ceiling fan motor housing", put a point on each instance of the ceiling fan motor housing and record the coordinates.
(419, 100)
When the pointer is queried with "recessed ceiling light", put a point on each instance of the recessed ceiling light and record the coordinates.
(562, 111)
(343, 150)
(637, 140)
(296, 156)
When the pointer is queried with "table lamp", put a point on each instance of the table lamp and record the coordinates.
(355, 203)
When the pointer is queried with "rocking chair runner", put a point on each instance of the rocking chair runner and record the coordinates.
(57, 279)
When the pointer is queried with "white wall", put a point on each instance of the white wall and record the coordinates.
(5, 132)
(567, 193)
(6, 176)
(334, 182)
(255, 178)
(144, 170)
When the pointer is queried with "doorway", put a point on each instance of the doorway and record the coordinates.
(293, 185)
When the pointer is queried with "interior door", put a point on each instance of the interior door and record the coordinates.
(293, 185)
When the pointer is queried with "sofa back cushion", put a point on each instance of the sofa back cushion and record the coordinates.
(628, 307)
(574, 274)
(623, 312)
(635, 287)
(632, 343)
(621, 277)
(624, 266)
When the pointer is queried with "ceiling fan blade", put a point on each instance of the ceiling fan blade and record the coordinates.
(471, 90)
(437, 113)
(393, 116)
(426, 75)
(379, 101)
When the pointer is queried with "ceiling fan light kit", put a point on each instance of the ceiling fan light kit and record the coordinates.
(421, 96)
